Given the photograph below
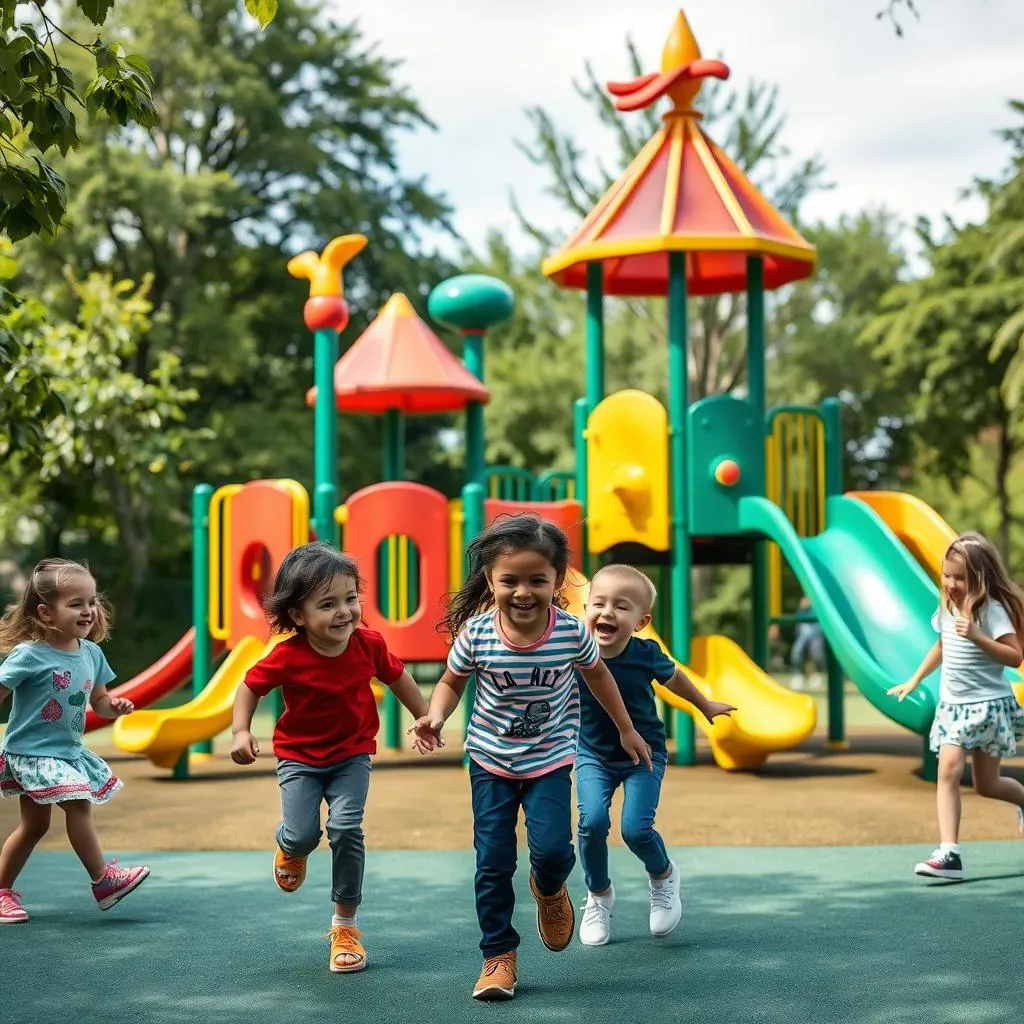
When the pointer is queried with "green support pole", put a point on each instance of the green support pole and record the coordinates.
(325, 437)
(201, 647)
(473, 359)
(755, 391)
(830, 414)
(595, 335)
(394, 469)
(580, 413)
(678, 400)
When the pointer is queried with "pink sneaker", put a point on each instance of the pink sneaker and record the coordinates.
(11, 910)
(116, 883)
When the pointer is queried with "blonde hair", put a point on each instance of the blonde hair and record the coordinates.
(21, 622)
(632, 573)
(987, 579)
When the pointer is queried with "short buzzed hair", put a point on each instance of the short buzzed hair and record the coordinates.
(630, 572)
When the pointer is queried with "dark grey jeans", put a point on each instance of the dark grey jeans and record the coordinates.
(343, 786)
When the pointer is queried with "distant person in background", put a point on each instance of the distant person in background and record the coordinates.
(808, 646)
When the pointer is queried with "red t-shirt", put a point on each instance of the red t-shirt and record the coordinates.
(330, 713)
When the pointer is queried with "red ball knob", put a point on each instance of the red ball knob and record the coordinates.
(727, 473)
(323, 311)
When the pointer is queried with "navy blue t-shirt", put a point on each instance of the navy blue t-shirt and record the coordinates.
(639, 663)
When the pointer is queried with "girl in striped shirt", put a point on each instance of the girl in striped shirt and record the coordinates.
(509, 629)
(980, 622)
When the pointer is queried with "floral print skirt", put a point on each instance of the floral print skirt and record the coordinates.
(52, 780)
(994, 726)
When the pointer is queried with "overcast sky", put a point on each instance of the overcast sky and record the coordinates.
(904, 123)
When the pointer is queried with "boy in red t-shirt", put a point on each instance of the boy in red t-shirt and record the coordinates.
(324, 738)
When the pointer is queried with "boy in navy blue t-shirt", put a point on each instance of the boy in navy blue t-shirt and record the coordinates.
(619, 604)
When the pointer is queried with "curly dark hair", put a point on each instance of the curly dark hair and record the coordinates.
(303, 571)
(524, 532)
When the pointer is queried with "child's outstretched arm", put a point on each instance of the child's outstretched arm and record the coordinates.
(443, 701)
(932, 660)
(602, 685)
(408, 693)
(107, 706)
(244, 748)
(683, 686)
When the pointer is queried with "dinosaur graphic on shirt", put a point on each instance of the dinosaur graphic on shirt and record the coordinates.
(535, 715)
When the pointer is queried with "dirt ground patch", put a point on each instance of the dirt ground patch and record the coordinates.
(869, 794)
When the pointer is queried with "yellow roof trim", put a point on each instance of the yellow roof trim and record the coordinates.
(714, 172)
(670, 201)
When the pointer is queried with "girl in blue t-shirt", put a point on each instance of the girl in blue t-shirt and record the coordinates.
(980, 623)
(53, 668)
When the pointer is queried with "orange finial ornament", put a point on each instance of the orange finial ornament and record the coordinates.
(325, 307)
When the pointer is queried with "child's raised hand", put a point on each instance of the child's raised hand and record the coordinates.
(121, 706)
(244, 748)
(967, 628)
(427, 733)
(902, 690)
(714, 708)
(636, 746)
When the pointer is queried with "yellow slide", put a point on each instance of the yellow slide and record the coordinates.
(921, 530)
(163, 736)
(768, 718)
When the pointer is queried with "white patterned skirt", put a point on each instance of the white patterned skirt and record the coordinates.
(52, 780)
(994, 726)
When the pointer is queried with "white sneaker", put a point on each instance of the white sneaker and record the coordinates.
(597, 916)
(666, 903)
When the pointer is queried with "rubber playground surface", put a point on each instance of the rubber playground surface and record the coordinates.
(768, 934)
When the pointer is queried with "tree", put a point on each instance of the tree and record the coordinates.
(936, 338)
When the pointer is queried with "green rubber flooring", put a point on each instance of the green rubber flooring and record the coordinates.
(787, 936)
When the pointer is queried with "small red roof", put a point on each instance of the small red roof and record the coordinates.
(680, 194)
(399, 363)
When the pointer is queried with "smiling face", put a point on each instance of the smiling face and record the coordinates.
(523, 584)
(617, 607)
(954, 579)
(330, 615)
(72, 615)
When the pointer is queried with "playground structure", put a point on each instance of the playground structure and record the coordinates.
(721, 480)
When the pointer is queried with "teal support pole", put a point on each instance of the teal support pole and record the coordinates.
(201, 646)
(325, 437)
(595, 335)
(678, 400)
(473, 358)
(580, 414)
(394, 469)
(756, 396)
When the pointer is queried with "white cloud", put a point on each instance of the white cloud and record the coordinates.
(905, 123)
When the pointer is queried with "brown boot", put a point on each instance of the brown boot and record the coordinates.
(498, 978)
(556, 920)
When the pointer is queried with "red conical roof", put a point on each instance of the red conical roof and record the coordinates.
(399, 363)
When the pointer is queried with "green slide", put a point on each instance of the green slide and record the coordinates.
(873, 600)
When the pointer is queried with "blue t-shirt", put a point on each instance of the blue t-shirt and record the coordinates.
(639, 663)
(51, 692)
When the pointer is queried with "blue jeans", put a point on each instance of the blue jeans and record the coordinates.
(596, 781)
(547, 802)
(343, 786)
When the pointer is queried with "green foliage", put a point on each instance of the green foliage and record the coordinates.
(38, 100)
(264, 11)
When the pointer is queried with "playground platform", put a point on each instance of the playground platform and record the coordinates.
(768, 935)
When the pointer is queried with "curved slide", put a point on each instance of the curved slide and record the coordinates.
(769, 718)
(163, 736)
(161, 678)
(873, 600)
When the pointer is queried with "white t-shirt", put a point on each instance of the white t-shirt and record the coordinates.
(968, 674)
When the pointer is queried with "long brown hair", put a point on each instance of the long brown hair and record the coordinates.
(987, 580)
(21, 622)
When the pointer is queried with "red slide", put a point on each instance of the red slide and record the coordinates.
(159, 679)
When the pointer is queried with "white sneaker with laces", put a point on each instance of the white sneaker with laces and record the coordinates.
(666, 902)
(597, 913)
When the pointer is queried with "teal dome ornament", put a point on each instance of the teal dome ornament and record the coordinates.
(472, 303)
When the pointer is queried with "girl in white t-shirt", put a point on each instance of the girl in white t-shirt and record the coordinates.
(980, 623)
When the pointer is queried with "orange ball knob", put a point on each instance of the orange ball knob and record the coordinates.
(727, 473)
(324, 311)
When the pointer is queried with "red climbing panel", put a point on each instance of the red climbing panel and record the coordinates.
(259, 534)
(566, 515)
(421, 514)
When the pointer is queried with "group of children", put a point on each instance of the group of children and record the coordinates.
(552, 691)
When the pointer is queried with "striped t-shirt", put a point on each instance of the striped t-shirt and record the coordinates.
(968, 674)
(526, 715)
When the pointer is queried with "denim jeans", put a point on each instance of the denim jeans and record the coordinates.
(596, 781)
(547, 803)
(343, 786)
